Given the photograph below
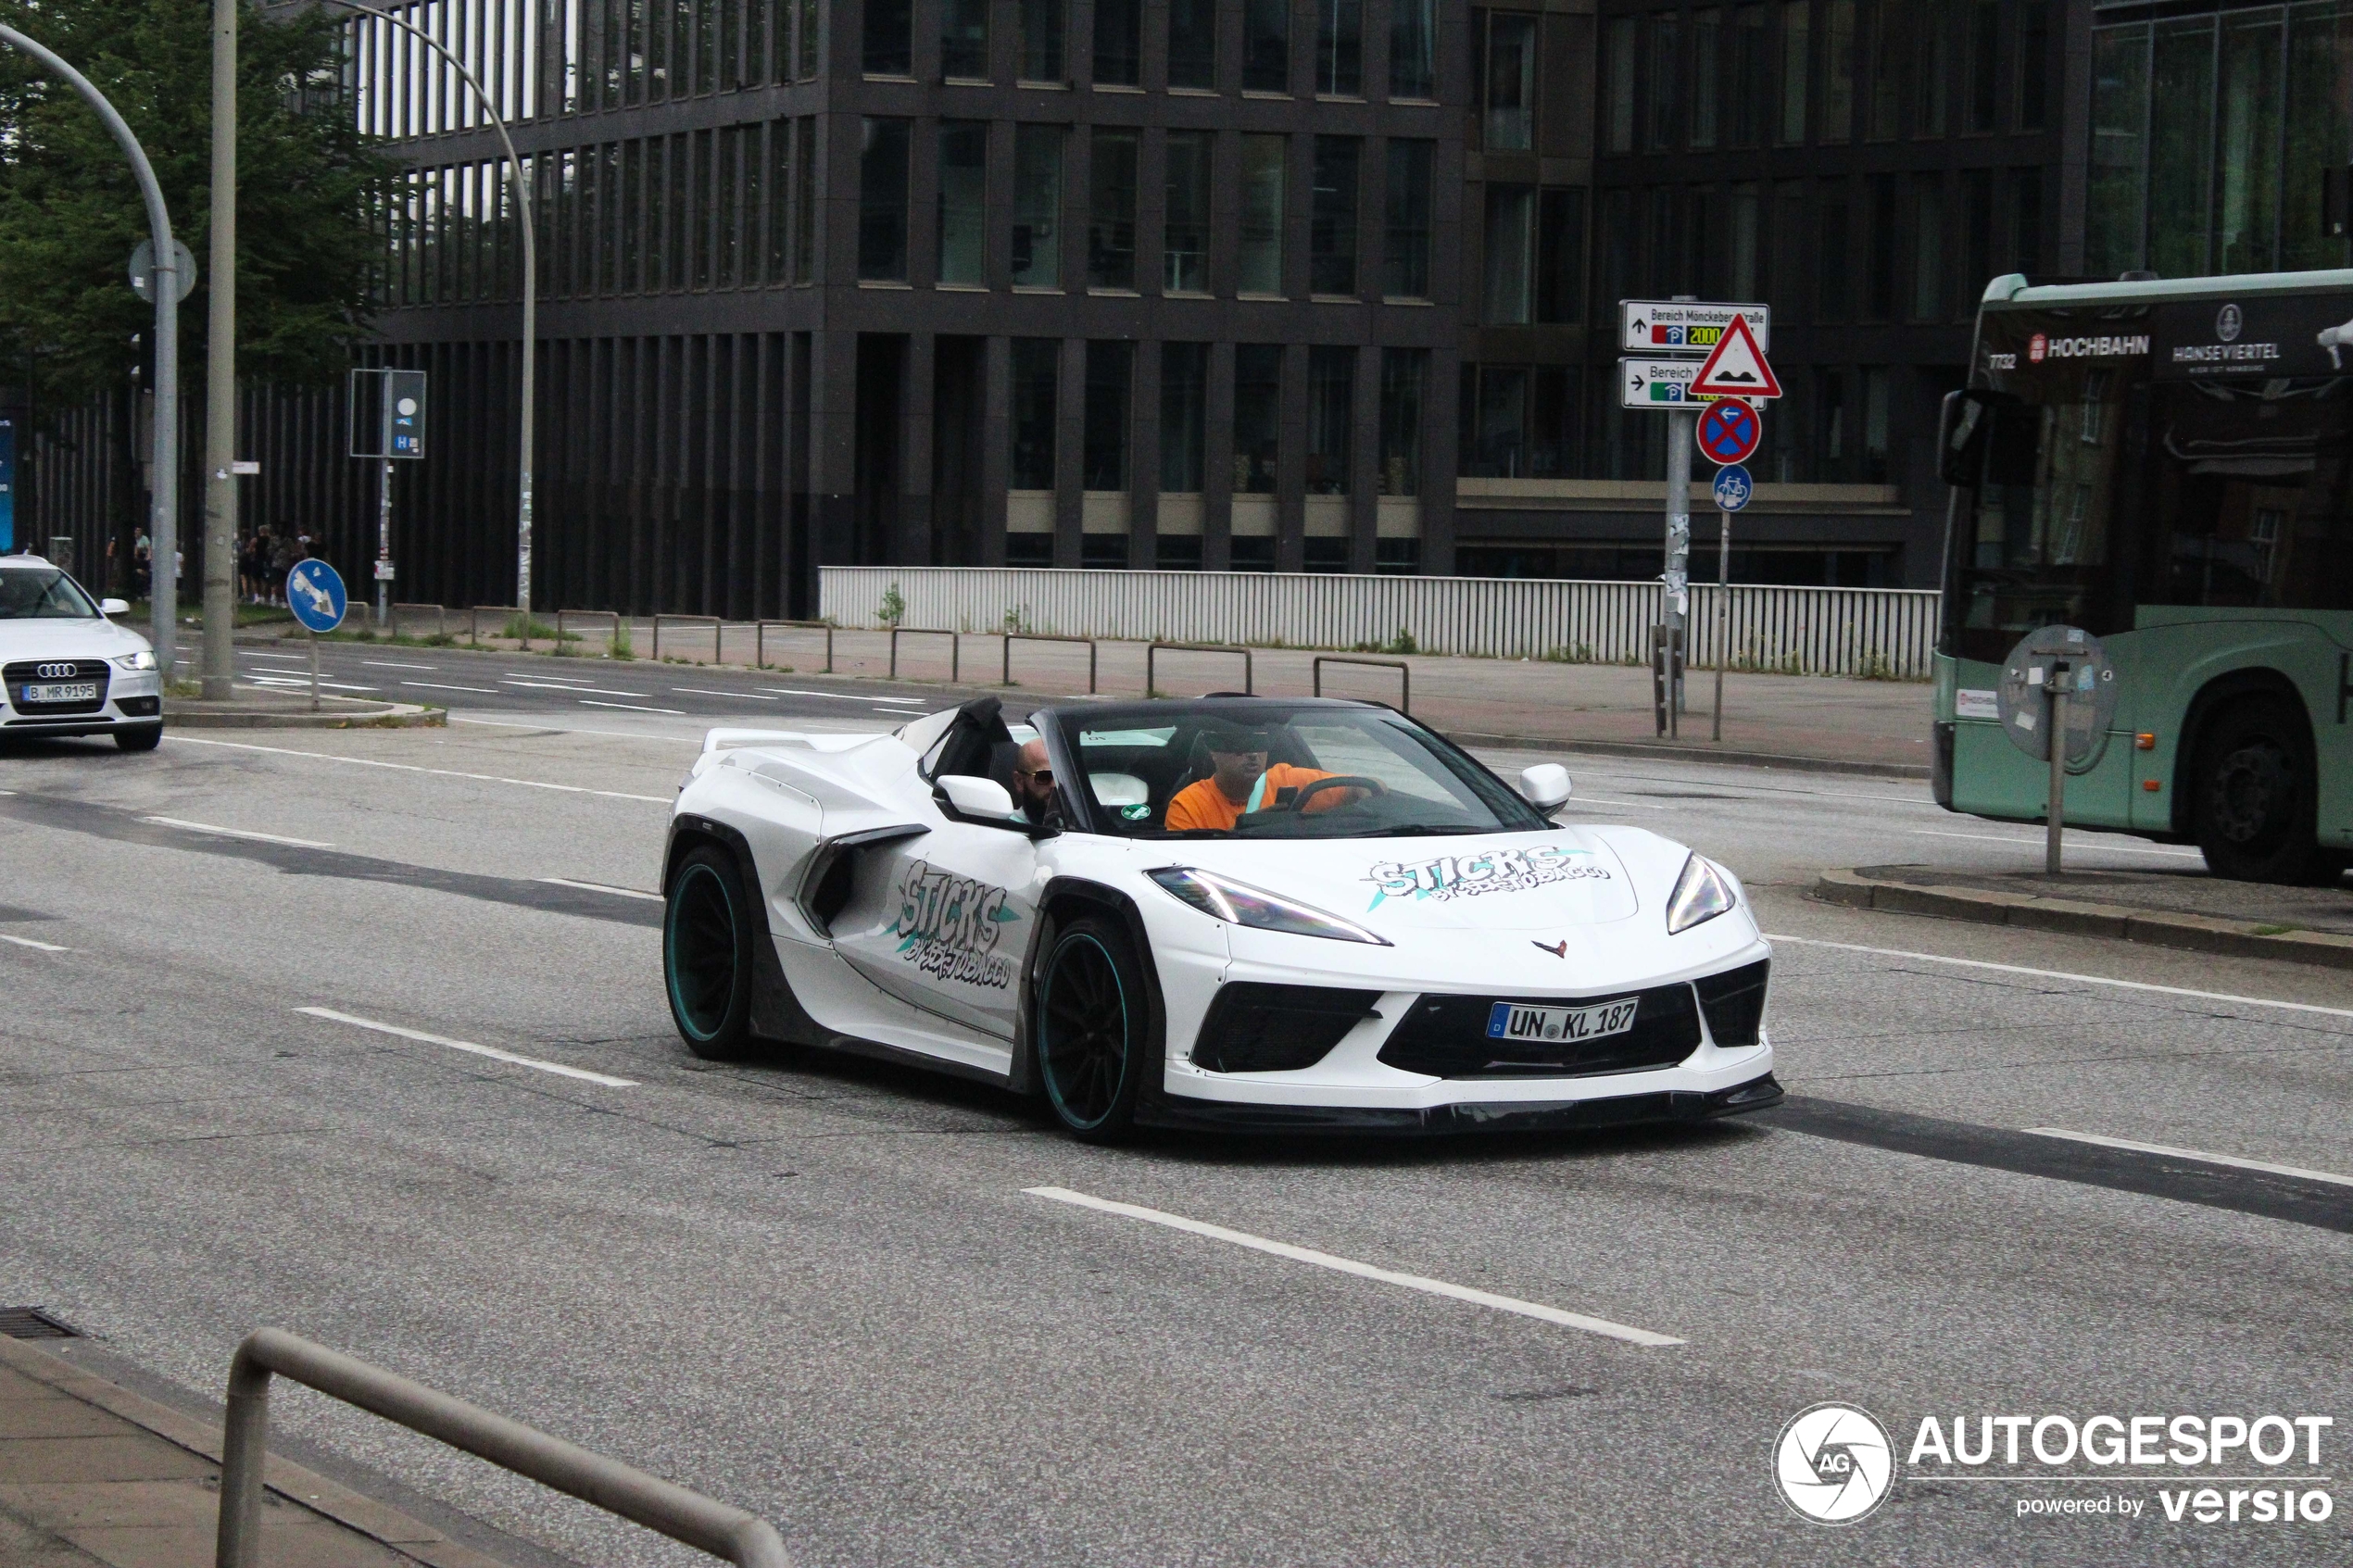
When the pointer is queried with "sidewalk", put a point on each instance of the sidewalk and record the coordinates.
(90, 1473)
(2182, 909)
(1802, 720)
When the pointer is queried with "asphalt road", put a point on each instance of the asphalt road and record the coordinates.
(824, 1290)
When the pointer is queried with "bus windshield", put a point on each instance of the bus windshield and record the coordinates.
(2126, 464)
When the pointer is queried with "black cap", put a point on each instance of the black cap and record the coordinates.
(1229, 735)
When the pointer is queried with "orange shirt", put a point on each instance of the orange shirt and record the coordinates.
(1203, 805)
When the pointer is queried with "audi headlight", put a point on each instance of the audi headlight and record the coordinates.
(144, 660)
(1701, 894)
(1238, 903)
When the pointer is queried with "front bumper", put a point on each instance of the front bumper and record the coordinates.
(133, 700)
(1670, 1106)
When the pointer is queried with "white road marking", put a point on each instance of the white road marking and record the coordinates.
(748, 696)
(443, 686)
(2230, 1159)
(604, 887)
(387, 664)
(2073, 843)
(300, 683)
(1597, 800)
(2063, 974)
(36, 947)
(298, 657)
(632, 706)
(563, 687)
(1363, 1270)
(239, 832)
(557, 1068)
(413, 768)
(845, 696)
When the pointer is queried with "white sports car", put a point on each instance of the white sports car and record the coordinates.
(1237, 912)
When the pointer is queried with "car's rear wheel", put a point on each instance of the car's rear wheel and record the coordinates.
(707, 954)
(139, 738)
(1090, 1028)
(2253, 797)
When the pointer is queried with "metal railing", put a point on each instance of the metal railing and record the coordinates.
(956, 650)
(612, 617)
(1405, 674)
(742, 1539)
(1152, 651)
(718, 631)
(440, 618)
(1888, 632)
(473, 621)
(1005, 669)
(759, 639)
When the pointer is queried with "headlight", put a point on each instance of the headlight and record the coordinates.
(1241, 904)
(1701, 894)
(144, 660)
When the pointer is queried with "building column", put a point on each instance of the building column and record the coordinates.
(917, 431)
(833, 447)
(1440, 460)
(1070, 453)
(1290, 463)
(1144, 460)
(1217, 455)
(1363, 462)
(995, 446)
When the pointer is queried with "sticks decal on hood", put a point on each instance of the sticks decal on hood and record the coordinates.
(948, 927)
(1490, 870)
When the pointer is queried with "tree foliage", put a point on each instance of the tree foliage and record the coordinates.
(308, 189)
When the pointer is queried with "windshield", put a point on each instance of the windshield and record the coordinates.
(1266, 768)
(42, 594)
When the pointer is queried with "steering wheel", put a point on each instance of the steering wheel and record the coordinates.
(1338, 780)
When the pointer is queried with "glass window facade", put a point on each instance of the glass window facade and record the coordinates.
(1258, 386)
(1339, 47)
(1192, 43)
(889, 37)
(1041, 39)
(1404, 380)
(1509, 122)
(1511, 223)
(1331, 413)
(1259, 249)
(1412, 48)
(1185, 228)
(1405, 252)
(1110, 211)
(1038, 204)
(1331, 250)
(1037, 374)
(1111, 377)
(964, 39)
(1119, 43)
(964, 202)
(1265, 45)
(882, 201)
(1184, 416)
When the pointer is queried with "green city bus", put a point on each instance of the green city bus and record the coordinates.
(2169, 466)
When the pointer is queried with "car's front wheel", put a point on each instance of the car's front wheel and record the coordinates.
(139, 738)
(1088, 1026)
(707, 954)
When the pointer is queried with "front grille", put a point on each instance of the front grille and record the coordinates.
(1734, 1002)
(1254, 1027)
(27, 671)
(1446, 1038)
(31, 1323)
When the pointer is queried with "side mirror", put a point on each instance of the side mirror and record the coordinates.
(114, 606)
(1985, 437)
(985, 802)
(1545, 786)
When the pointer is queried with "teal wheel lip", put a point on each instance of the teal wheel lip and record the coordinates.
(690, 900)
(1046, 1046)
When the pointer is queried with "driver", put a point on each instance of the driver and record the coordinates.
(1242, 781)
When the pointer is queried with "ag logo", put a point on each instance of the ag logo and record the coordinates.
(2227, 322)
(2037, 347)
(1834, 1463)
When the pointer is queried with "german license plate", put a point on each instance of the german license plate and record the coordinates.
(75, 691)
(1507, 1020)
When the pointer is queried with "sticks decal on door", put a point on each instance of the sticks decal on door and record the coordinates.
(948, 927)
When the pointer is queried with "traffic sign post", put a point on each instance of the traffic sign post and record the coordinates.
(2055, 702)
(1733, 489)
(315, 594)
(396, 434)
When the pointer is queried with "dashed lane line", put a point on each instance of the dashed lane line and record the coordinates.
(747, 696)
(414, 768)
(559, 1069)
(1363, 1270)
(444, 687)
(632, 706)
(36, 947)
(239, 832)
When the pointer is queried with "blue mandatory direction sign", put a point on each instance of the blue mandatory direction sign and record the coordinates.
(1733, 487)
(314, 592)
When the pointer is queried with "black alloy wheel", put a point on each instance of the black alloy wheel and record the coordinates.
(1088, 1026)
(707, 954)
(2252, 800)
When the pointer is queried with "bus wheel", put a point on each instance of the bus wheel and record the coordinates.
(2253, 800)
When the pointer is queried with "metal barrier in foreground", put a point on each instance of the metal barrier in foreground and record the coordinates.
(1405, 674)
(759, 639)
(473, 622)
(718, 630)
(1005, 674)
(440, 617)
(611, 616)
(955, 649)
(1151, 686)
(742, 1539)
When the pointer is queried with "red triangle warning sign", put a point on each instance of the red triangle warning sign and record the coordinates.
(1737, 368)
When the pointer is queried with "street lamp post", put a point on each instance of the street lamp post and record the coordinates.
(520, 176)
(163, 581)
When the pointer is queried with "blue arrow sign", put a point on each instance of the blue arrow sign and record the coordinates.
(1733, 487)
(315, 594)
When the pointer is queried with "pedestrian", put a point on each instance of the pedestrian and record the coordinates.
(282, 560)
(141, 566)
(248, 566)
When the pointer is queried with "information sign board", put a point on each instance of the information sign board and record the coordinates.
(1671, 326)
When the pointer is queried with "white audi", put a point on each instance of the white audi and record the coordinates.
(65, 669)
(1238, 912)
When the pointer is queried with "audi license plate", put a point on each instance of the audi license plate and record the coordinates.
(1506, 1021)
(72, 691)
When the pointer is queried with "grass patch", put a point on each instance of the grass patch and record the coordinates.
(2275, 930)
(621, 646)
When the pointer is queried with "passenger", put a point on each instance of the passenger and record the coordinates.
(1242, 781)
(1034, 786)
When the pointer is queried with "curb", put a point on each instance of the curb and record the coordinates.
(304, 1489)
(1693, 754)
(376, 716)
(2197, 934)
